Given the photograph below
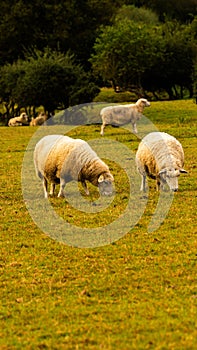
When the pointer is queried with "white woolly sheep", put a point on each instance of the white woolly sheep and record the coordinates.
(19, 121)
(39, 120)
(123, 114)
(61, 159)
(160, 156)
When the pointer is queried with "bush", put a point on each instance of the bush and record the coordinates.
(109, 95)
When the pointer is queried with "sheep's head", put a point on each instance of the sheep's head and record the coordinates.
(105, 184)
(170, 176)
(142, 103)
(24, 117)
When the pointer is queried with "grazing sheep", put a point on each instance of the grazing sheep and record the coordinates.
(19, 121)
(161, 157)
(61, 159)
(123, 114)
(39, 120)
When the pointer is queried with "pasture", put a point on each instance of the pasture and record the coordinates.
(139, 292)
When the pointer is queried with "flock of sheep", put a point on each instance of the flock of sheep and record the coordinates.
(59, 159)
(23, 120)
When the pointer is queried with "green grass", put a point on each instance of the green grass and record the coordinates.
(139, 292)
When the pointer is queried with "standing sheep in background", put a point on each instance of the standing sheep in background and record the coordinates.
(19, 121)
(160, 156)
(123, 114)
(61, 159)
(39, 120)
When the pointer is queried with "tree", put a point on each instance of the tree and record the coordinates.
(134, 55)
(66, 25)
(16, 27)
(174, 71)
(136, 14)
(124, 51)
(9, 75)
(48, 79)
(195, 81)
(182, 10)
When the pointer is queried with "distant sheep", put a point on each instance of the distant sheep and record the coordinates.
(39, 120)
(61, 159)
(123, 114)
(160, 156)
(19, 121)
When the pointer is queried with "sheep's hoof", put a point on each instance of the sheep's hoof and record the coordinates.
(61, 195)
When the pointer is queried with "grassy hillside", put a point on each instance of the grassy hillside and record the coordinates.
(139, 292)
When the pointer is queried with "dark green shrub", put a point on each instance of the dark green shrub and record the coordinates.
(109, 95)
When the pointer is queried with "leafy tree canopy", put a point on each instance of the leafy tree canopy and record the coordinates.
(142, 14)
(181, 10)
(66, 25)
(146, 44)
(134, 55)
(47, 78)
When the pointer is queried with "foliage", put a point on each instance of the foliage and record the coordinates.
(137, 293)
(136, 14)
(195, 81)
(109, 95)
(111, 35)
(147, 58)
(9, 75)
(67, 25)
(50, 79)
(174, 69)
(73, 25)
(182, 10)
(126, 39)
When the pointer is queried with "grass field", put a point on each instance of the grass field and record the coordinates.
(139, 292)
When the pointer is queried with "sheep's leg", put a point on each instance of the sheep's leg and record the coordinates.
(52, 190)
(45, 187)
(143, 183)
(85, 188)
(158, 185)
(134, 126)
(102, 129)
(62, 185)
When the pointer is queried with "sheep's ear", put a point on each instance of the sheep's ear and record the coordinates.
(101, 178)
(183, 171)
(111, 177)
(163, 171)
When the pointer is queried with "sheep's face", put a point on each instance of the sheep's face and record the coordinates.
(105, 185)
(24, 117)
(143, 102)
(170, 176)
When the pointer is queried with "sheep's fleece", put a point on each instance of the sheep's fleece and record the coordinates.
(19, 121)
(39, 120)
(160, 156)
(123, 114)
(60, 159)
